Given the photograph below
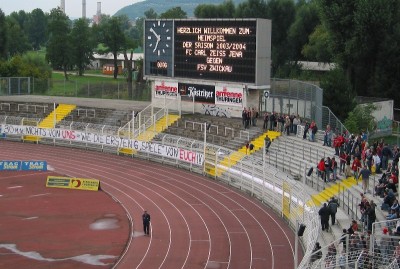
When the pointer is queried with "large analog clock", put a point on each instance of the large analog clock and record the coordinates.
(159, 38)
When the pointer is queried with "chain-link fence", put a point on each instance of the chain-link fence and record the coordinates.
(300, 98)
(15, 85)
(110, 89)
(294, 97)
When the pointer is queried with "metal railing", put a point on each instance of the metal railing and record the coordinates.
(271, 186)
(144, 121)
(328, 118)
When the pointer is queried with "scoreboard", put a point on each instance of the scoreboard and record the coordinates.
(219, 50)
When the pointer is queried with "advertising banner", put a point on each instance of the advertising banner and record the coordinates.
(229, 96)
(23, 165)
(34, 166)
(10, 165)
(73, 183)
(200, 93)
(193, 157)
(166, 89)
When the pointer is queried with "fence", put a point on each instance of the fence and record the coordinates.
(300, 98)
(294, 97)
(110, 89)
(329, 118)
(265, 178)
(15, 85)
(271, 186)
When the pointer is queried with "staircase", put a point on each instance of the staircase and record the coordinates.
(152, 131)
(333, 190)
(57, 115)
(235, 157)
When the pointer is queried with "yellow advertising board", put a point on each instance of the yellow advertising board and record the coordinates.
(73, 183)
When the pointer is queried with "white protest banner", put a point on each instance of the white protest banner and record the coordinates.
(107, 140)
(226, 95)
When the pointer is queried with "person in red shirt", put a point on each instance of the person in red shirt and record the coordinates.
(342, 158)
(321, 169)
(356, 167)
(394, 178)
(337, 143)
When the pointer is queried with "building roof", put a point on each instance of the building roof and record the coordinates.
(120, 56)
(316, 66)
(368, 100)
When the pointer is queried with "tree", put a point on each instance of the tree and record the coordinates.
(358, 32)
(174, 13)
(317, 49)
(18, 41)
(252, 9)
(388, 69)
(305, 21)
(338, 94)
(59, 45)
(150, 14)
(83, 44)
(282, 14)
(111, 34)
(136, 32)
(224, 10)
(206, 11)
(3, 36)
(21, 17)
(361, 119)
(28, 65)
(36, 28)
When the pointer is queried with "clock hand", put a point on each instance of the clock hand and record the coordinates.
(155, 47)
(154, 32)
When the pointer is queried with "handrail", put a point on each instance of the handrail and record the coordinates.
(244, 133)
(245, 174)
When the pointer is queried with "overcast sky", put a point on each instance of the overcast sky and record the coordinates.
(73, 8)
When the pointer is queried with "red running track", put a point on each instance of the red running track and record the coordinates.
(195, 222)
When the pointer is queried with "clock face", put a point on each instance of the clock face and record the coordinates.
(159, 38)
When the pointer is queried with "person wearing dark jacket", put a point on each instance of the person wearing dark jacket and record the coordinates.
(324, 215)
(317, 253)
(306, 130)
(333, 204)
(370, 212)
(146, 223)
(272, 119)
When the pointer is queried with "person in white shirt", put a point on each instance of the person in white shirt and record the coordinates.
(376, 162)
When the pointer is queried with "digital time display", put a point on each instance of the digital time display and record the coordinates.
(159, 68)
(223, 50)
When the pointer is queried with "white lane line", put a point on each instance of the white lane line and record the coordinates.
(31, 218)
(40, 194)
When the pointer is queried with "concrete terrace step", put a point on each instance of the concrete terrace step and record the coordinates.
(235, 157)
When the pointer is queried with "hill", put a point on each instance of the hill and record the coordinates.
(137, 10)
